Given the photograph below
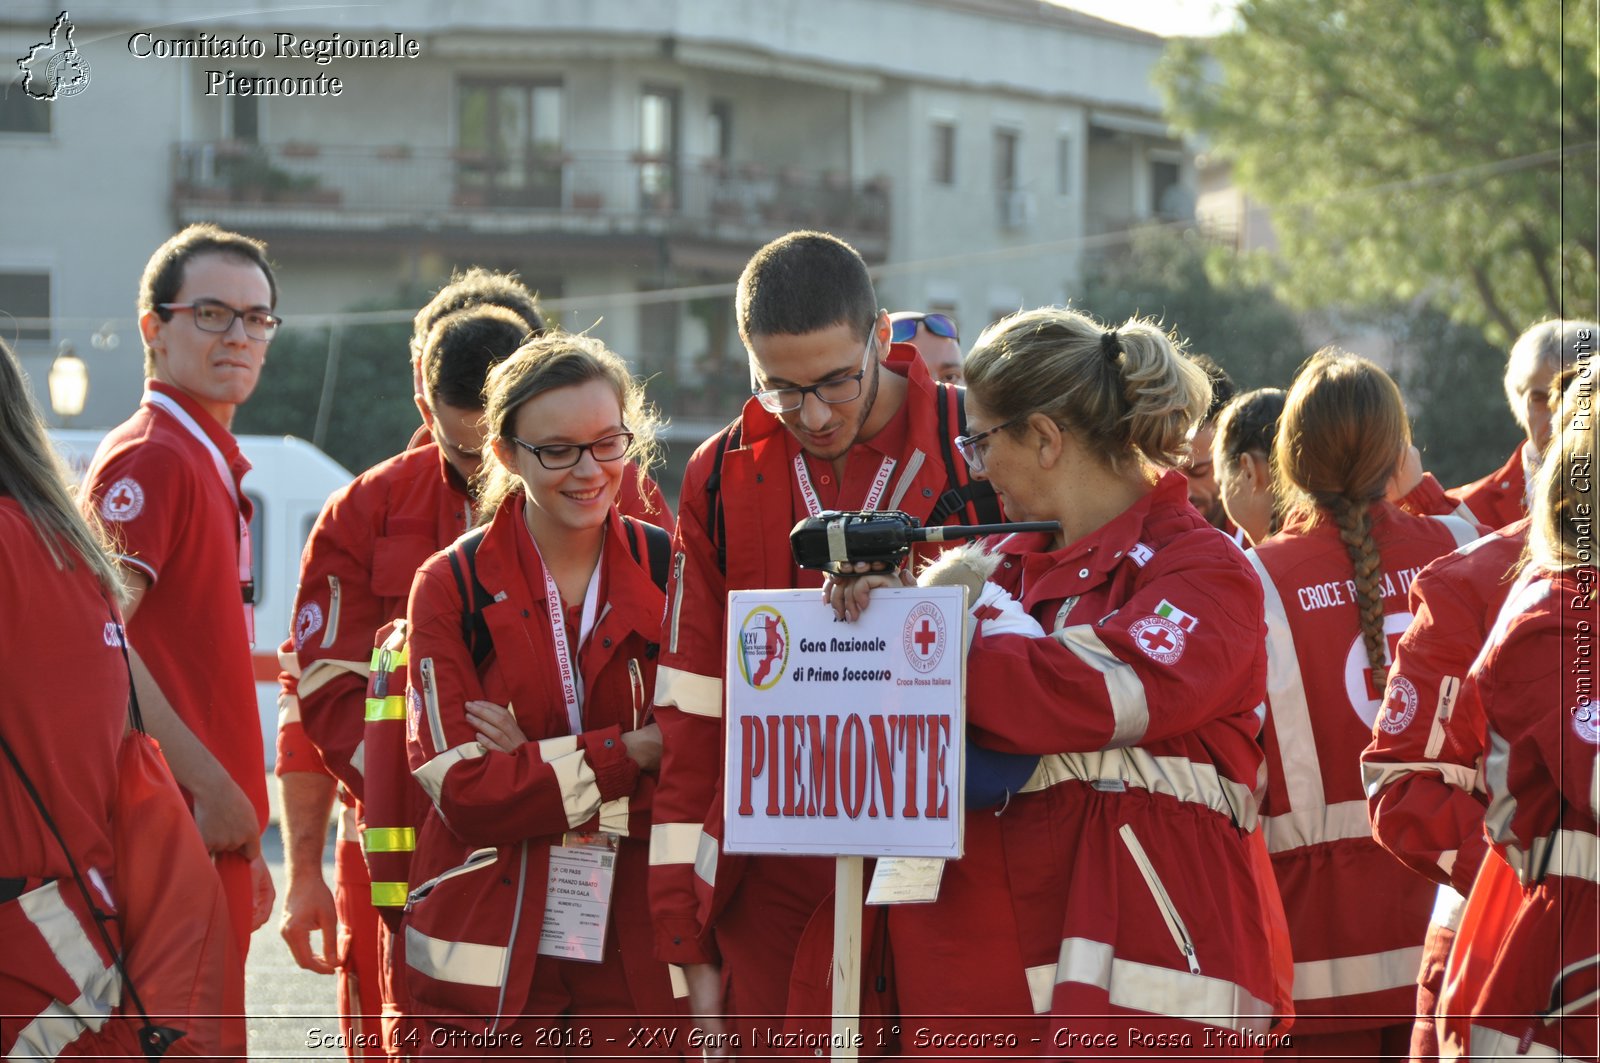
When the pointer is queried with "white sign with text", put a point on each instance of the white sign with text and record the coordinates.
(845, 739)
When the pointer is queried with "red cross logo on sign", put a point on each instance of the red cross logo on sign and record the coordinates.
(923, 638)
(124, 501)
(1158, 638)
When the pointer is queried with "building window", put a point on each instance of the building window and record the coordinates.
(24, 295)
(719, 130)
(658, 148)
(1166, 191)
(944, 153)
(509, 137)
(244, 115)
(1006, 142)
(21, 113)
(1064, 165)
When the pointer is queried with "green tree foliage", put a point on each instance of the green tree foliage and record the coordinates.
(1195, 289)
(1442, 149)
(371, 414)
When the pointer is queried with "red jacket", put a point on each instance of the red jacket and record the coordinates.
(355, 575)
(1356, 961)
(473, 924)
(1535, 681)
(1500, 497)
(691, 880)
(1123, 867)
(1422, 769)
(65, 711)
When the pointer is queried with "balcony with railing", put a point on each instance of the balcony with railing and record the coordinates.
(342, 189)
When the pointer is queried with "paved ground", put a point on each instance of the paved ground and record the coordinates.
(285, 1003)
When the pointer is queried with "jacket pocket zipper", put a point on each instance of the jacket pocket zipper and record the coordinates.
(1169, 911)
(677, 598)
(430, 699)
(479, 859)
(332, 632)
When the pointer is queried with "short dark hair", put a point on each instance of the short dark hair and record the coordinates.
(163, 273)
(478, 287)
(1222, 389)
(461, 349)
(804, 282)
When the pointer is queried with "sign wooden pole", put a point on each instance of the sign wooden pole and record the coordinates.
(846, 956)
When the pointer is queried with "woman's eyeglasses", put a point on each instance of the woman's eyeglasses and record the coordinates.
(902, 329)
(976, 455)
(555, 456)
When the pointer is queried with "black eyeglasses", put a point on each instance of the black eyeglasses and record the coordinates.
(554, 456)
(901, 329)
(834, 392)
(212, 316)
(974, 455)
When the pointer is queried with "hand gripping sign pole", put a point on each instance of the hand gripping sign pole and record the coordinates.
(846, 741)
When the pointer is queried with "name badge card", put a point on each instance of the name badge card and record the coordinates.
(846, 739)
(577, 902)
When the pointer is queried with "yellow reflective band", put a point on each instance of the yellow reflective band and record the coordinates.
(392, 707)
(389, 839)
(399, 657)
(376, 655)
(390, 894)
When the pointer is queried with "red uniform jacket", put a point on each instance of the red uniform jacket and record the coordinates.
(1356, 917)
(1115, 892)
(66, 706)
(1499, 498)
(691, 881)
(1536, 684)
(1422, 769)
(473, 924)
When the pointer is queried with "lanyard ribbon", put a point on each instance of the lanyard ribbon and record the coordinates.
(246, 580)
(880, 483)
(571, 679)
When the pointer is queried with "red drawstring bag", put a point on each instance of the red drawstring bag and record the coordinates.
(175, 933)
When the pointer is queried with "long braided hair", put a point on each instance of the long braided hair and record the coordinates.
(1340, 439)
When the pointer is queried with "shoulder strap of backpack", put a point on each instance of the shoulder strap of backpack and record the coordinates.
(976, 496)
(657, 548)
(729, 440)
(474, 597)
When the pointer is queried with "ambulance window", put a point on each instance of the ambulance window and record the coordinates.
(306, 525)
(257, 535)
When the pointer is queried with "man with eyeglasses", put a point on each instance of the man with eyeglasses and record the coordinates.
(832, 424)
(935, 337)
(165, 484)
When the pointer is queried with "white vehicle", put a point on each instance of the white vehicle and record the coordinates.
(288, 483)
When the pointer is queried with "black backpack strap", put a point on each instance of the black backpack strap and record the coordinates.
(728, 440)
(657, 548)
(474, 597)
(976, 495)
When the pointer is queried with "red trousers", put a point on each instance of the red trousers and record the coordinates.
(360, 1003)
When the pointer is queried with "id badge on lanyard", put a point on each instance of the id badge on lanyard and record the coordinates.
(577, 903)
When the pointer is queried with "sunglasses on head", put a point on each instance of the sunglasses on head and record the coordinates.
(902, 329)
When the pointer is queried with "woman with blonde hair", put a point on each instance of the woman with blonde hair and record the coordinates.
(1113, 904)
(1335, 580)
(1535, 683)
(531, 657)
(62, 723)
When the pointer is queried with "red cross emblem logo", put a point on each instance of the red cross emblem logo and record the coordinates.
(124, 501)
(924, 637)
(1158, 638)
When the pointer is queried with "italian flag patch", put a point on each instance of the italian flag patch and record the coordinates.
(1171, 612)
